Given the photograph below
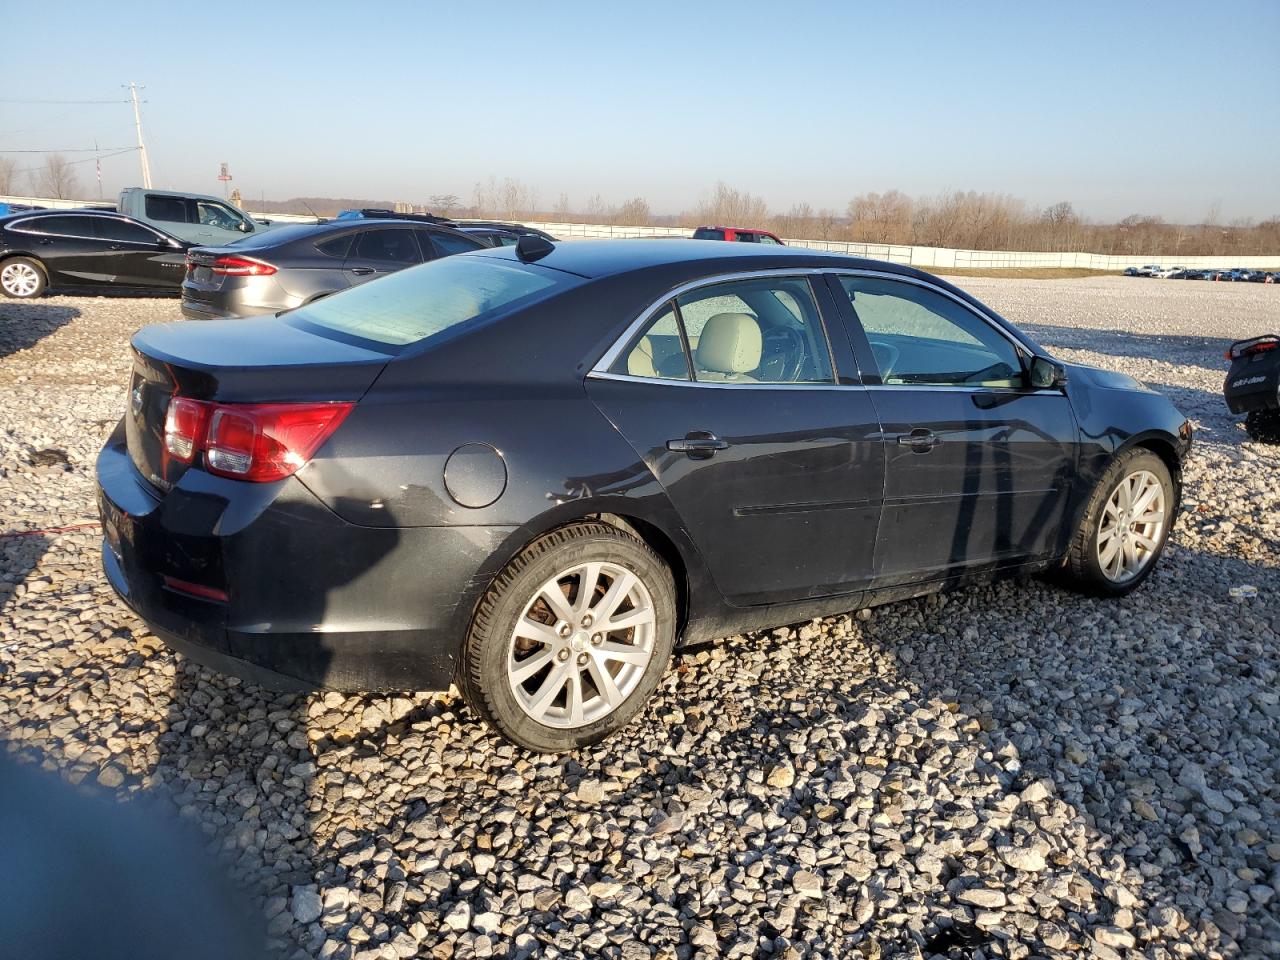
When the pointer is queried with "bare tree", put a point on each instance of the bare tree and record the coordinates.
(633, 213)
(56, 178)
(826, 222)
(561, 212)
(730, 207)
(8, 176)
(881, 217)
(444, 203)
(510, 199)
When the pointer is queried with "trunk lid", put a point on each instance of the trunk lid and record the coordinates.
(201, 282)
(232, 361)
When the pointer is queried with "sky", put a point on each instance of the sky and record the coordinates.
(1117, 107)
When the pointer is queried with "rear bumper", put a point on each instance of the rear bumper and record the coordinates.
(312, 601)
(194, 310)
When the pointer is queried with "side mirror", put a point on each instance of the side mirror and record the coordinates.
(1046, 374)
(245, 227)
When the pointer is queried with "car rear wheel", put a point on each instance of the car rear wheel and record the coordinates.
(571, 639)
(22, 278)
(1125, 527)
(1263, 426)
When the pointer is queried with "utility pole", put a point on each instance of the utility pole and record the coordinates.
(142, 146)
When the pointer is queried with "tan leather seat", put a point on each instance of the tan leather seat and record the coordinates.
(640, 359)
(729, 348)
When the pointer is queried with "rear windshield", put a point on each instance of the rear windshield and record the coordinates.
(706, 233)
(278, 235)
(420, 302)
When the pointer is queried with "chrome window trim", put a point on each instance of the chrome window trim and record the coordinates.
(611, 355)
(18, 225)
(788, 385)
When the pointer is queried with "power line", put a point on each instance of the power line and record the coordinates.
(71, 150)
(103, 156)
(16, 100)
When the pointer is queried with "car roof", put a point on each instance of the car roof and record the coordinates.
(603, 258)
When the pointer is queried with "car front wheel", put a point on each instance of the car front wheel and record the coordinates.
(22, 278)
(1125, 526)
(571, 639)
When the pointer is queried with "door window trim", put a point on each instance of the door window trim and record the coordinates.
(600, 370)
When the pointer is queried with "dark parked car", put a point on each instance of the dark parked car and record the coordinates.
(86, 249)
(517, 228)
(291, 266)
(536, 470)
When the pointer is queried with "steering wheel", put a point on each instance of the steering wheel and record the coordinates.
(783, 351)
(886, 355)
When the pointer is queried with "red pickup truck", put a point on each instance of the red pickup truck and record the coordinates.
(742, 234)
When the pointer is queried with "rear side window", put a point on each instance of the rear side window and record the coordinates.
(109, 228)
(336, 247)
(172, 209)
(748, 238)
(387, 244)
(65, 226)
(658, 353)
(708, 234)
(412, 305)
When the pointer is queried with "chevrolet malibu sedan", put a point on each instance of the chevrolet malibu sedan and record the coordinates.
(536, 471)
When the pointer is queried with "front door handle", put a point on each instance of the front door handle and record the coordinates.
(699, 444)
(921, 440)
(362, 271)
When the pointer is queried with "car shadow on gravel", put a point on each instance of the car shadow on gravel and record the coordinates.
(1178, 349)
(23, 324)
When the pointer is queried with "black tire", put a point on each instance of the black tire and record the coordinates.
(1263, 426)
(16, 281)
(1082, 569)
(483, 666)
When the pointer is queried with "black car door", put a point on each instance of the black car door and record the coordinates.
(68, 247)
(379, 251)
(137, 256)
(729, 394)
(978, 465)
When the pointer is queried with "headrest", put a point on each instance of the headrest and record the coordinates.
(640, 359)
(730, 343)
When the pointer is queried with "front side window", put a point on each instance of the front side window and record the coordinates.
(765, 330)
(219, 215)
(658, 353)
(768, 239)
(449, 243)
(170, 209)
(388, 244)
(748, 238)
(921, 337)
(412, 305)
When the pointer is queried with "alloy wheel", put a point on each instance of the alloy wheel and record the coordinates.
(581, 645)
(19, 279)
(1132, 526)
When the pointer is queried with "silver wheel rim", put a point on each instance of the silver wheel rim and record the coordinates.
(1132, 526)
(19, 279)
(581, 645)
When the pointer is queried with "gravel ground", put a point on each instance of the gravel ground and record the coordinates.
(1009, 771)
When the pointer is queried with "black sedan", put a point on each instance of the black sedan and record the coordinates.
(535, 471)
(86, 249)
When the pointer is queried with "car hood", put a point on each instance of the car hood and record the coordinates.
(1104, 379)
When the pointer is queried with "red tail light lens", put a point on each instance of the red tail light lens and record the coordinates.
(184, 427)
(231, 266)
(260, 442)
(1247, 348)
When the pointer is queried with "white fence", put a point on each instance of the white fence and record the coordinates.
(932, 257)
(937, 257)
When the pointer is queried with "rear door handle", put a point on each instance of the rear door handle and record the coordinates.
(362, 271)
(698, 445)
(919, 439)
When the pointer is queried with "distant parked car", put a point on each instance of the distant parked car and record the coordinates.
(1149, 270)
(739, 234)
(193, 217)
(495, 234)
(86, 249)
(298, 265)
(1166, 273)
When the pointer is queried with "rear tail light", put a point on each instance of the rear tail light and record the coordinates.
(235, 266)
(1247, 348)
(261, 442)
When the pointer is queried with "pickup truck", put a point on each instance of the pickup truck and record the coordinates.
(204, 220)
